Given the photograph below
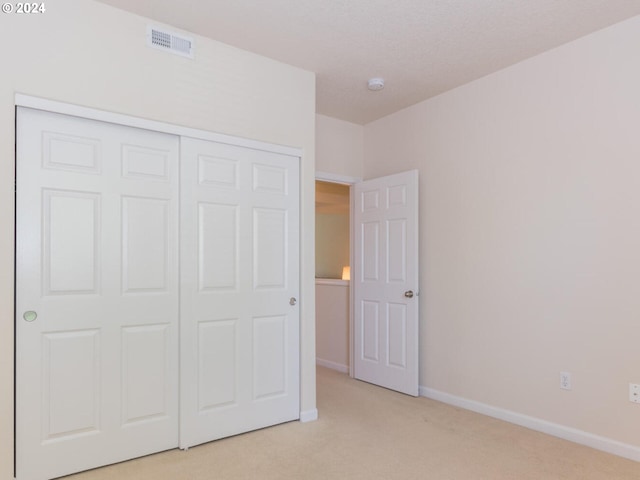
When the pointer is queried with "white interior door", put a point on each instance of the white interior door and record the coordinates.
(239, 285)
(385, 282)
(96, 294)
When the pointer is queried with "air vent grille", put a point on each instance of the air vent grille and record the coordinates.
(169, 42)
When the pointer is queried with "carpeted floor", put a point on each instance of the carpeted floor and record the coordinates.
(367, 432)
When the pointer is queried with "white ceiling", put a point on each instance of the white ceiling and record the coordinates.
(420, 47)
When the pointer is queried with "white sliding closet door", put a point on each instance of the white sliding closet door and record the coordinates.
(127, 345)
(96, 294)
(239, 288)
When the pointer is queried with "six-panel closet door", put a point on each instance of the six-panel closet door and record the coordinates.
(96, 294)
(126, 344)
(239, 290)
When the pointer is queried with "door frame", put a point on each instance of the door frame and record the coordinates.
(350, 181)
(52, 106)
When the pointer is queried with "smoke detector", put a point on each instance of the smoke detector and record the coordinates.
(376, 84)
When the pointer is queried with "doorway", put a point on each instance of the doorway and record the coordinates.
(383, 308)
(333, 263)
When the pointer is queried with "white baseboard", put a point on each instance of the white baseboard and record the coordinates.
(332, 365)
(567, 433)
(309, 415)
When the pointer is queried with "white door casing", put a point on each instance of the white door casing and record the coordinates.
(97, 261)
(239, 290)
(385, 282)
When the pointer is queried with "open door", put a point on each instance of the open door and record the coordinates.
(385, 282)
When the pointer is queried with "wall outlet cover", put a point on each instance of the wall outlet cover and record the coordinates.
(565, 380)
(634, 392)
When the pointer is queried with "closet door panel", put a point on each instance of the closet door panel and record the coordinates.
(96, 293)
(239, 272)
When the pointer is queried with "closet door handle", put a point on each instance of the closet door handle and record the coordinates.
(293, 301)
(408, 294)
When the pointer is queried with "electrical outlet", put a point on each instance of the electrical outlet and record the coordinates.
(634, 393)
(565, 380)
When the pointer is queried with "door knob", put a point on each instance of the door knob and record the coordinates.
(29, 315)
(408, 294)
(292, 301)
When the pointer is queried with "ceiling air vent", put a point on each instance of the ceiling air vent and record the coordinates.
(169, 41)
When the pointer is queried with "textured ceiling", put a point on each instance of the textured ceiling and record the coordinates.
(420, 47)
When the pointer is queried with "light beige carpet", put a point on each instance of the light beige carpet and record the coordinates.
(367, 432)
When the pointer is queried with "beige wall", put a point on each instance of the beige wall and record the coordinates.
(530, 232)
(90, 54)
(339, 147)
(332, 324)
(332, 244)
